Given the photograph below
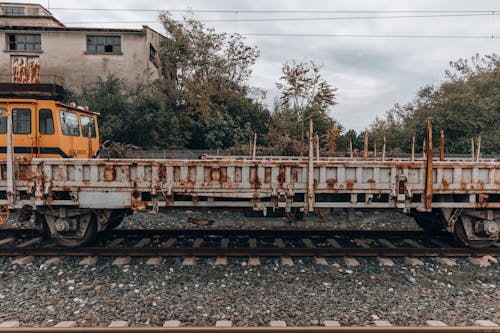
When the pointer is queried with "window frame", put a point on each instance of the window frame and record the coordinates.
(99, 43)
(15, 122)
(3, 122)
(62, 125)
(35, 43)
(13, 11)
(93, 134)
(39, 122)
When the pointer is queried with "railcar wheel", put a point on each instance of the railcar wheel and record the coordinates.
(461, 237)
(78, 230)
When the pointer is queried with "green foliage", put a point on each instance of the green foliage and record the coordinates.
(465, 105)
(304, 94)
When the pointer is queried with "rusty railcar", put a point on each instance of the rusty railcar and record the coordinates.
(76, 198)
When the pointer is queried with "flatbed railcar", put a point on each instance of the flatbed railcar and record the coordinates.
(73, 198)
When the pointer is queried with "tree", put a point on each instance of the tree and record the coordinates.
(211, 90)
(304, 94)
(465, 105)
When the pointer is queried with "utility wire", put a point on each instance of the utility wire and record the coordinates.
(273, 11)
(307, 18)
(372, 36)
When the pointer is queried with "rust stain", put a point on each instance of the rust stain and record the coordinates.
(109, 173)
(281, 178)
(349, 184)
(463, 184)
(267, 175)
(330, 183)
(254, 178)
(444, 184)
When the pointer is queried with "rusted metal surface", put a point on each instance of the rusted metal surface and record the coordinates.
(107, 183)
(428, 170)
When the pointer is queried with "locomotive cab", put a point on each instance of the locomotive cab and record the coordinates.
(48, 129)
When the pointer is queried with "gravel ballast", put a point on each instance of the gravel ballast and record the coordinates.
(302, 295)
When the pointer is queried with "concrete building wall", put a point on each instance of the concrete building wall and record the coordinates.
(64, 53)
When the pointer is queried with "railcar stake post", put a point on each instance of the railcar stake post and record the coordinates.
(384, 147)
(350, 148)
(441, 147)
(365, 146)
(472, 149)
(254, 151)
(11, 191)
(413, 148)
(310, 170)
(428, 169)
(478, 153)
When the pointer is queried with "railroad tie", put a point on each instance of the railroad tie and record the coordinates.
(481, 262)
(413, 261)
(446, 261)
(351, 262)
(381, 323)
(333, 242)
(318, 260)
(331, 323)
(122, 261)
(88, 261)
(385, 262)
(23, 260)
(54, 261)
(435, 323)
(277, 323)
(7, 240)
(65, 324)
(485, 323)
(413, 243)
(285, 260)
(253, 261)
(191, 261)
(169, 243)
(223, 323)
(10, 324)
(154, 261)
(224, 244)
(115, 242)
(142, 242)
(172, 323)
(387, 243)
(30, 242)
(118, 324)
(362, 243)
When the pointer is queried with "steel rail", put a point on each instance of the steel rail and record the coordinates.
(347, 329)
(247, 252)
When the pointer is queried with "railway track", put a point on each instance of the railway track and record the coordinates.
(246, 243)
(276, 326)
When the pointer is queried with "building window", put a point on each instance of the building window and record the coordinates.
(152, 53)
(69, 124)
(21, 121)
(24, 42)
(13, 11)
(104, 44)
(45, 122)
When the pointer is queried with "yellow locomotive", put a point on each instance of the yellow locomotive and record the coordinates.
(48, 128)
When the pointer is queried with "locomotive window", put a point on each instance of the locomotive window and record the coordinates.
(45, 122)
(69, 124)
(21, 121)
(3, 122)
(88, 124)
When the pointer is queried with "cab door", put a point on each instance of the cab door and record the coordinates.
(48, 141)
(24, 132)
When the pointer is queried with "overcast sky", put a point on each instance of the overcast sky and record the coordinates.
(371, 74)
